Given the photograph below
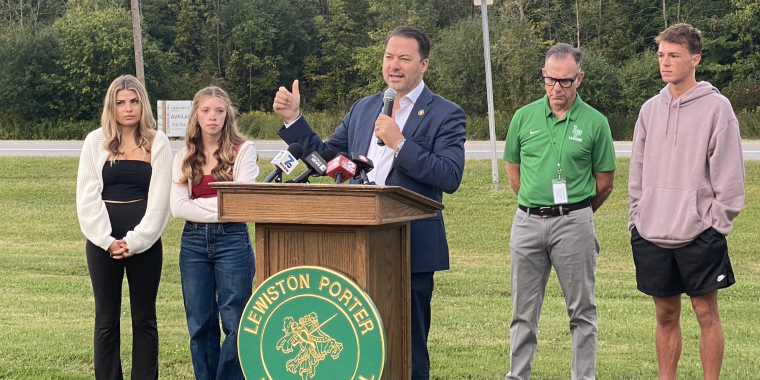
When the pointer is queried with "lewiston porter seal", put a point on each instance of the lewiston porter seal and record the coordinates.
(311, 323)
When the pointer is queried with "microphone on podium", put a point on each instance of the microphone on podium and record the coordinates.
(363, 166)
(317, 165)
(285, 162)
(388, 98)
(341, 168)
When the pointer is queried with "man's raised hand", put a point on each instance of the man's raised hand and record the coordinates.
(287, 103)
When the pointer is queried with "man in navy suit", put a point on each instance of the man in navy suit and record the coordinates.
(424, 152)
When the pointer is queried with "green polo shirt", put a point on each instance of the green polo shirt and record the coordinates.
(587, 149)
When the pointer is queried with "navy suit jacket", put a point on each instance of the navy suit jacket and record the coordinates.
(431, 162)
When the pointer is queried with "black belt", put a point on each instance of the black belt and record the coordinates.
(557, 210)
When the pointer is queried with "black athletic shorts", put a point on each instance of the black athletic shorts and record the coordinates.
(696, 269)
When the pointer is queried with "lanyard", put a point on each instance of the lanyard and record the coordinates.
(558, 154)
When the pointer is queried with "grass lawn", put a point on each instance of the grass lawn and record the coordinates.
(48, 310)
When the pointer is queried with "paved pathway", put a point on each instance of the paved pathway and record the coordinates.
(268, 149)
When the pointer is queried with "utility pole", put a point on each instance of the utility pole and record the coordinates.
(489, 91)
(137, 36)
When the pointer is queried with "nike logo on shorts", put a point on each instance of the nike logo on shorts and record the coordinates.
(721, 277)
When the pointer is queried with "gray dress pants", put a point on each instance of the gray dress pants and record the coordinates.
(568, 243)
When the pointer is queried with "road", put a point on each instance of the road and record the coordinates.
(268, 149)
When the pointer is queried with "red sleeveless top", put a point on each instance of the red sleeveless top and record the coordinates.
(203, 190)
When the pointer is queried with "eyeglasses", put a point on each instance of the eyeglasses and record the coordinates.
(564, 83)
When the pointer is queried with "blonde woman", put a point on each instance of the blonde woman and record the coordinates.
(122, 204)
(216, 259)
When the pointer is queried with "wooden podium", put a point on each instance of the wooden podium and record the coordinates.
(361, 231)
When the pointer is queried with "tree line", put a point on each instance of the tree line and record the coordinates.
(60, 56)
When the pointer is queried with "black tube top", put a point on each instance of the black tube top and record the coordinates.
(126, 180)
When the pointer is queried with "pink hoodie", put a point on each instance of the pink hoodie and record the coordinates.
(687, 168)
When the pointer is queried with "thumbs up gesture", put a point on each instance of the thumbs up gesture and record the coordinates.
(287, 103)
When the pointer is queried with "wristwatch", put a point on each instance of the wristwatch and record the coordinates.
(400, 144)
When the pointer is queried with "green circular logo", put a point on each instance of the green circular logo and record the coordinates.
(311, 323)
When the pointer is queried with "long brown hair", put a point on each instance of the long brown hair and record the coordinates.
(231, 138)
(111, 130)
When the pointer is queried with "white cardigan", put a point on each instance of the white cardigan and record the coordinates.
(206, 210)
(91, 210)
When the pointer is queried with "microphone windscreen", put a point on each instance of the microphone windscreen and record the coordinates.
(389, 94)
(362, 161)
(328, 154)
(296, 150)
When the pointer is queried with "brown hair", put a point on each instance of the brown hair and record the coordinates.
(111, 130)
(684, 35)
(192, 166)
(423, 42)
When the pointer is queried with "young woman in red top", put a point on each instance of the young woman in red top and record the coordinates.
(216, 259)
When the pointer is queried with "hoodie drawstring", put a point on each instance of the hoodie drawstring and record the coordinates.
(667, 121)
(678, 112)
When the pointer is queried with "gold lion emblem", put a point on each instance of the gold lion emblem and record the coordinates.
(313, 345)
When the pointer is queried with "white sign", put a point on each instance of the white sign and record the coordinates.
(488, 2)
(173, 116)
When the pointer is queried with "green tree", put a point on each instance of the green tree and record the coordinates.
(746, 35)
(28, 13)
(457, 67)
(251, 68)
(294, 40)
(518, 56)
(332, 73)
(96, 47)
(189, 32)
(601, 86)
(639, 80)
(29, 59)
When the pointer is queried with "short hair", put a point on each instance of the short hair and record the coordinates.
(423, 42)
(143, 133)
(684, 35)
(562, 50)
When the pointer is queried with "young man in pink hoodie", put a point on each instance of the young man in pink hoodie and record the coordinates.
(686, 185)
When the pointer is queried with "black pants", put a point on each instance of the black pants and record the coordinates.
(422, 294)
(143, 275)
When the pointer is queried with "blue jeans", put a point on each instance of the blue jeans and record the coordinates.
(216, 263)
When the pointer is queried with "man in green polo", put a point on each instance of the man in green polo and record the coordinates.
(561, 164)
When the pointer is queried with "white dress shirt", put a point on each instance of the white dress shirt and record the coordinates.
(382, 156)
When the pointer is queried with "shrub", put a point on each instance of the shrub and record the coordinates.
(259, 125)
(744, 95)
(17, 129)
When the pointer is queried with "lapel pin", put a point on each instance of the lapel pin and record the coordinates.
(421, 112)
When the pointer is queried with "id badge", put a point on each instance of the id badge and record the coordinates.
(559, 187)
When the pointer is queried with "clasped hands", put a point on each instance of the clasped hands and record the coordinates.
(119, 250)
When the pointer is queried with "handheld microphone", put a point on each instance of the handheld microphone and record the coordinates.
(388, 98)
(341, 168)
(317, 165)
(285, 162)
(364, 165)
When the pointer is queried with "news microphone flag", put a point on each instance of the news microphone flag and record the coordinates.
(363, 166)
(341, 168)
(285, 162)
(317, 165)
